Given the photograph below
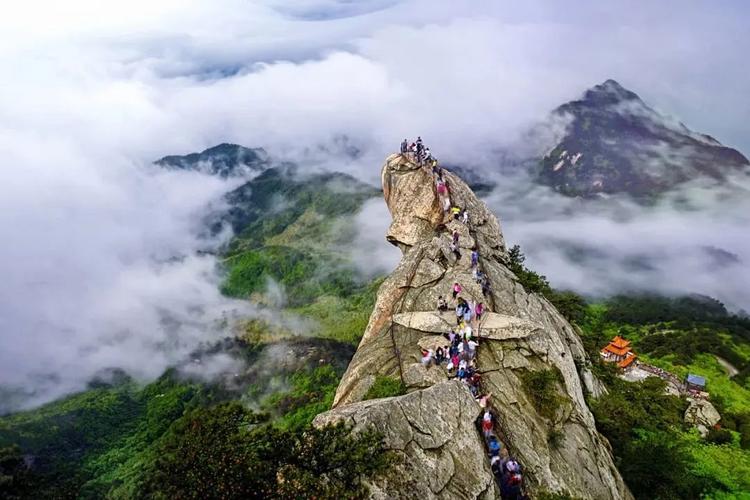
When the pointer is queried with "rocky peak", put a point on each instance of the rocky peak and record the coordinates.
(609, 92)
(615, 142)
(433, 427)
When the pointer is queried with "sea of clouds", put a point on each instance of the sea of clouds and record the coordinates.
(101, 261)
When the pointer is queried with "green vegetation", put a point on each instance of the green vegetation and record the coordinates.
(176, 438)
(342, 318)
(226, 451)
(385, 387)
(546, 495)
(133, 438)
(311, 393)
(658, 455)
(541, 388)
(294, 231)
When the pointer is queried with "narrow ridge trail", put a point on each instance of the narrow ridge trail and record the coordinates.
(436, 427)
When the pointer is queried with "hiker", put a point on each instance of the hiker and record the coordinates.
(478, 275)
(446, 204)
(497, 468)
(455, 250)
(404, 147)
(512, 479)
(472, 347)
(485, 287)
(478, 310)
(465, 351)
(427, 154)
(427, 357)
(439, 355)
(456, 212)
(484, 400)
(454, 361)
(442, 305)
(455, 237)
(474, 257)
(456, 290)
(474, 381)
(487, 428)
(465, 216)
(468, 310)
(435, 169)
(452, 336)
(467, 333)
(494, 446)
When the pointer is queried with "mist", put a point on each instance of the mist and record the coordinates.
(694, 240)
(102, 261)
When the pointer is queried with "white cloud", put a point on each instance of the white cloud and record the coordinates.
(92, 92)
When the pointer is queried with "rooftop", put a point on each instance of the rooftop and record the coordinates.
(696, 380)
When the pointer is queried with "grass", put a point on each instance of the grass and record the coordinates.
(385, 387)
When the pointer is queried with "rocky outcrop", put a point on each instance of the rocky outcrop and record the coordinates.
(702, 414)
(520, 333)
(433, 432)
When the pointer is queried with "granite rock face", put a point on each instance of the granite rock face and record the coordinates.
(519, 333)
(433, 431)
(702, 414)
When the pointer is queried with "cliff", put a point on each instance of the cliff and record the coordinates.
(433, 426)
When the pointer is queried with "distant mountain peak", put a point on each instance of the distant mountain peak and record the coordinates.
(615, 142)
(224, 160)
(608, 93)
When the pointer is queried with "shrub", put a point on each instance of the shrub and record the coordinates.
(719, 436)
(541, 388)
(570, 304)
(226, 451)
(657, 465)
(531, 281)
(555, 438)
(385, 387)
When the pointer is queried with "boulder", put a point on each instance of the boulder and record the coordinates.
(520, 333)
(433, 433)
(702, 414)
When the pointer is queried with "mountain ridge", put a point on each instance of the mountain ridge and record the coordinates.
(615, 142)
(522, 335)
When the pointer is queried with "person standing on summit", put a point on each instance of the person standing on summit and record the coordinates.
(404, 147)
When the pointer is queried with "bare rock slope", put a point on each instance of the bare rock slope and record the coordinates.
(433, 426)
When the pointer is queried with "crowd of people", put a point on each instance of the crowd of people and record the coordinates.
(458, 355)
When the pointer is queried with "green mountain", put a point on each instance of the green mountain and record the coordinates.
(246, 433)
(116, 440)
(616, 143)
(224, 160)
(295, 229)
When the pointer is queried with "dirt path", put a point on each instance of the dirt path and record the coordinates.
(729, 367)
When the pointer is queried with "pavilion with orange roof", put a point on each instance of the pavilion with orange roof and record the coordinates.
(618, 350)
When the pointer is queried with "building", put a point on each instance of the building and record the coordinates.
(695, 383)
(619, 351)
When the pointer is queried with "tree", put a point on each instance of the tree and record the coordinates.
(226, 452)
